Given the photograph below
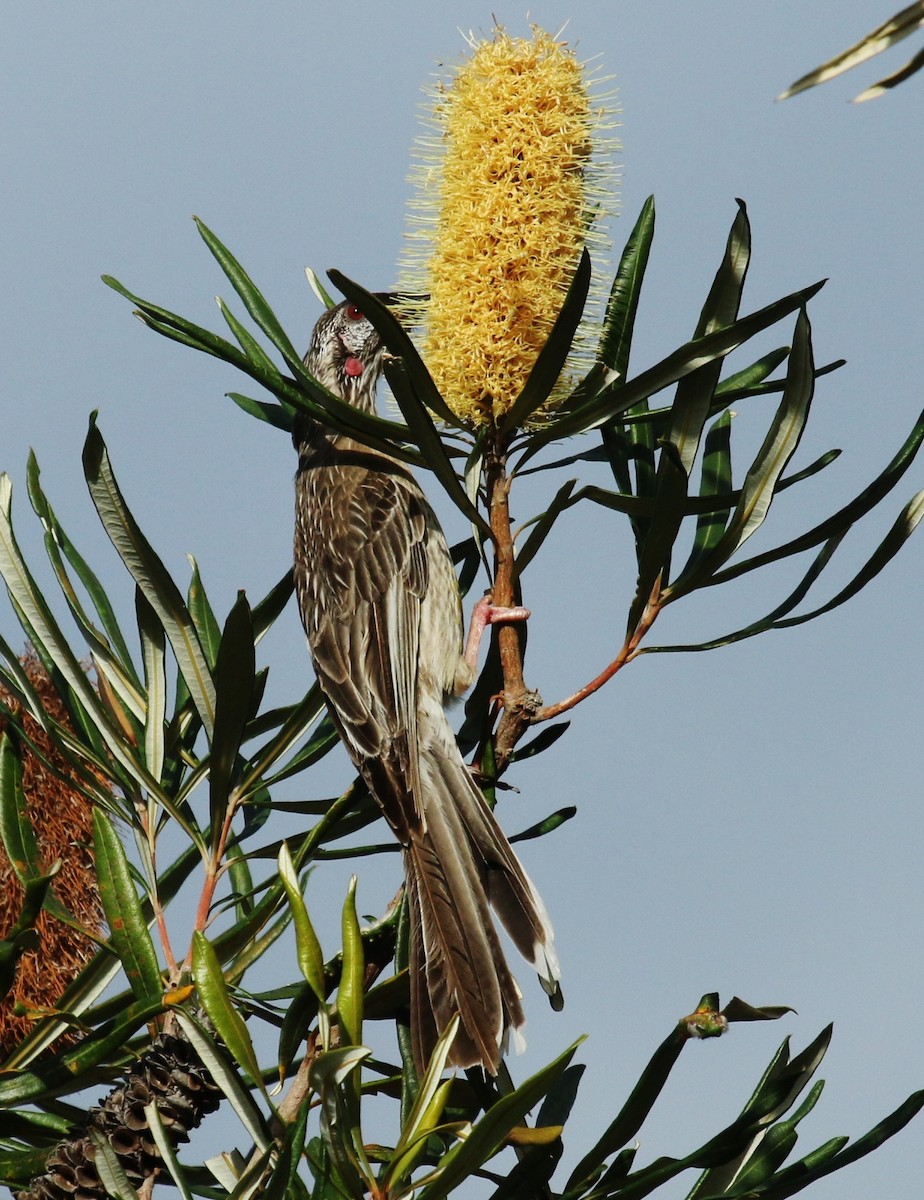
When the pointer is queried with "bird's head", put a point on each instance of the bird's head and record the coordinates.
(346, 354)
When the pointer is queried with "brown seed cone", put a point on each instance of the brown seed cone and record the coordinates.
(62, 818)
(169, 1075)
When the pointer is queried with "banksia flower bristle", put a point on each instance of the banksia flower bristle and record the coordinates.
(61, 816)
(506, 199)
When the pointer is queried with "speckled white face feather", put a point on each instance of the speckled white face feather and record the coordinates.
(345, 355)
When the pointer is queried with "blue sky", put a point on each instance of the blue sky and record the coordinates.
(750, 819)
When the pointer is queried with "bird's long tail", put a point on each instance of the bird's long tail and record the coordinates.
(459, 866)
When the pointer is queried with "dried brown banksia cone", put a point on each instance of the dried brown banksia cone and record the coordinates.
(62, 819)
(169, 1076)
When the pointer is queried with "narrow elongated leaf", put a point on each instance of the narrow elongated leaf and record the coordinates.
(350, 991)
(426, 1111)
(550, 361)
(153, 657)
(490, 1132)
(904, 526)
(111, 1172)
(128, 929)
(222, 1072)
(622, 306)
(56, 538)
(633, 1113)
(167, 1152)
(763, 477)
(203, 615)
(234, 686)
(398, 343)
(272, 414)
(222, 1013)
(693, 401)
(716, 481)
(308, 948)
(822, 1162)
(782, 439)
(542, 525)
(45, 635)
(253, 298)
(16, 830)
(150, 574)
(621, 397)
(841, 521)
(426, 437)
(881, 38)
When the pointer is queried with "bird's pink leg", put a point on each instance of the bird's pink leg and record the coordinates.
(484, 614)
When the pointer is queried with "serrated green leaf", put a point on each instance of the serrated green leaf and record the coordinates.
(128, 930)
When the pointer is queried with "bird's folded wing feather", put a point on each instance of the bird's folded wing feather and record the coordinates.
(368, 577)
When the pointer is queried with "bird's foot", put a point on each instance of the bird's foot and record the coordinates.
(486, 613)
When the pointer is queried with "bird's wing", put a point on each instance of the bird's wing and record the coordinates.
(362, 596)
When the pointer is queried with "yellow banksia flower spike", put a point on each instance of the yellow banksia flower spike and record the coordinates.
(507, 194)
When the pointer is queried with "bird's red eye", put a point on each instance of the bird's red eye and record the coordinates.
(354, 313)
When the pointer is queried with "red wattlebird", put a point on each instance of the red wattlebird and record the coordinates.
(380, 604)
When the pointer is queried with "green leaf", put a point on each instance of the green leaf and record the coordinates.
(128, 929)
(203, 615)
(620, 397)
(234, 687)
(308, 948)
(551, 359)
(895, 29)
(222, 1013)
(905, 524)
(57, 542)
(250, 294)
(542, 525)
(425, 1114)
(761, 481)
(716, 481)
(431, 446)
(153, 657)
(350, 991)
(150, 574)
(695, 391)
(633, 1113)
(111, 1172)
(622, 306)
(16, 829)
(844, 518)
(399, 344)
(490, 1132)
(49, 642)
(272, 414)
(221, 1070)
